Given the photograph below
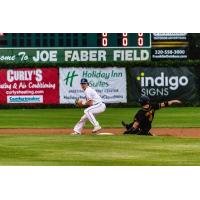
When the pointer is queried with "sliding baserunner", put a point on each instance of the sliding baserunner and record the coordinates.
(142, 121)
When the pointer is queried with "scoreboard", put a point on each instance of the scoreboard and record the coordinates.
(91, 47)
(81, 40)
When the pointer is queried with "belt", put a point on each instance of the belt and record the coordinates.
(97, 103)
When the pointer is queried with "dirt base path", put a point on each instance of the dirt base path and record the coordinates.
(181, 132)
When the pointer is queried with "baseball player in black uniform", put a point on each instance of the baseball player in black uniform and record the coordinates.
(141, 124)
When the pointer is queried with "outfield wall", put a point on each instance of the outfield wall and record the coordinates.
(119, 83)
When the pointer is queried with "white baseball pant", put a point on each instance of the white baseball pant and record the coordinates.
(89, 114)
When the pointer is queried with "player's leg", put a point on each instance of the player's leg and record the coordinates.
(96, 112)
(133, 131)
(127, 126)
(91, 112)
(79, 126)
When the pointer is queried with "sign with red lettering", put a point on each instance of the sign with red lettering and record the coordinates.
(29, 86)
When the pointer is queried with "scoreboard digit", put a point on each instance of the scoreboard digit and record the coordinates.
(124, 39)
(104, 39)
(140, 39)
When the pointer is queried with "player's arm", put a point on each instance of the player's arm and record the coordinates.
(89, 102)
(81, 103)
(169, 103)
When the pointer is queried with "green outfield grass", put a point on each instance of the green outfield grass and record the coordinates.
(66, 118)
(58, 150)
(51, 150)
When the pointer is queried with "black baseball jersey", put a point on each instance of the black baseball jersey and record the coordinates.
(145, 117)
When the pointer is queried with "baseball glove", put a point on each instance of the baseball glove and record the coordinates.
(78, 103)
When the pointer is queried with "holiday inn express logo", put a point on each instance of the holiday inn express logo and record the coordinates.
(70, 77)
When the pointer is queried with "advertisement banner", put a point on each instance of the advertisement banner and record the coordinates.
(29, 86)
(164, 83)
(61, 55)
(110, 84)
(169, 46)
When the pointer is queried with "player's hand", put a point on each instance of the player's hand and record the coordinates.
(78, 103)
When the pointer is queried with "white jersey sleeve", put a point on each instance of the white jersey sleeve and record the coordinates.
(91, 94)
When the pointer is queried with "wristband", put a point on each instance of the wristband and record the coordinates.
(166, 103)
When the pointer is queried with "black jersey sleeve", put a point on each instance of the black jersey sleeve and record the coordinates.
(156, 106)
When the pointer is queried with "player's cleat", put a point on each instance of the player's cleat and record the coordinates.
(123, 124)
(75, 133)
(96, 128)
(150, 134)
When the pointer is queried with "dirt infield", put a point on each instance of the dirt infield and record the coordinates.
(180, 132)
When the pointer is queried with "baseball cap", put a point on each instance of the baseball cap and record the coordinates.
(84, 81)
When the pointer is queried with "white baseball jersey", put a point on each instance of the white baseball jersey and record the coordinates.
(91, 94)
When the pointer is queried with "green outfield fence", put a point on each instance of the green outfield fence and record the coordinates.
(166, 63)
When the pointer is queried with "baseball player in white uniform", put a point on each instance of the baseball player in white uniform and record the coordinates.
(95, 106)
